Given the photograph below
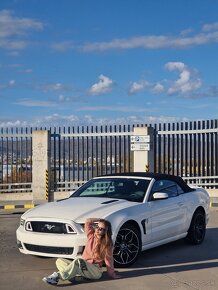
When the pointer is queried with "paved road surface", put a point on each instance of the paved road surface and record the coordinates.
(174, 266)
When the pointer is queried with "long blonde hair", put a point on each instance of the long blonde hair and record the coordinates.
(105, 243)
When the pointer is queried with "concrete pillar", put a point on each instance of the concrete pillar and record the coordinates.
(143, 158)
(41, 160)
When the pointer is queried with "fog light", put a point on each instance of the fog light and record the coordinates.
(19, 244)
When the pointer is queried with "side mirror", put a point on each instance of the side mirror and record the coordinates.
(160, 195)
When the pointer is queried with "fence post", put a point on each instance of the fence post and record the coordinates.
(41, 159)
(143, 149)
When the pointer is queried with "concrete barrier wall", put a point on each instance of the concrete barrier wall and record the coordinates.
(28, 196)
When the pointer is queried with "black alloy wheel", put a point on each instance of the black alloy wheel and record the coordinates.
(127, 246)
(197, 230)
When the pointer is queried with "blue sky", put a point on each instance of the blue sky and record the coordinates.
(91, 62)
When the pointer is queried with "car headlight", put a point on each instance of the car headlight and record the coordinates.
(22, 222)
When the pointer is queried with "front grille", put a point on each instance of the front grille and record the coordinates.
(49, 250)
(49, 227)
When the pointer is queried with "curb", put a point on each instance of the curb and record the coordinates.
(11, 206)
(213, 204)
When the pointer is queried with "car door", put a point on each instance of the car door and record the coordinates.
(167, 215)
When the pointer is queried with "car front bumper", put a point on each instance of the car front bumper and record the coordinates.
(50, 245)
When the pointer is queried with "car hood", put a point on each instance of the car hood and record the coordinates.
(78, 209)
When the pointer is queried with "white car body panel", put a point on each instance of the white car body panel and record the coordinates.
(159, 221)
(168, 218)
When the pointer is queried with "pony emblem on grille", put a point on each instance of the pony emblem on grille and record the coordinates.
(49, 227)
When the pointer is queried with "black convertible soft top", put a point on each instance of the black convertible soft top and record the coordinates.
(156, 176)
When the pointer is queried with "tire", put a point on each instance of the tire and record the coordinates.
(127, 246)
(197, 230)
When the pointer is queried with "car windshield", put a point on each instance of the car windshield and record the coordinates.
(131, 189)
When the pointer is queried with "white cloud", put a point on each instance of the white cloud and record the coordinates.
(115, 109)
(10, 84)
(186, 31)
(136, 87)
(27, 71)
(210, 27)
(186, 82)
(35, 103)
(157, 88)
(65, 99)
(55, 87)
(12, 27)
(56, 120)
(103, 86)
(208, 34)
(63, 46)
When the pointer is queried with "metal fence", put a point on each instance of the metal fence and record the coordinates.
(188, 149)
(78, 154)
(15, 159)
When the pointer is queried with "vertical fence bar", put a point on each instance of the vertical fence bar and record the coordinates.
(203, 150)
(64, 155)
(190, 151)
(97, 169)
(106, 150)
(119, 149)
(101, 151)
(83, 154)
(73, 153)
(92, 153)
(177, 151)
(173, 150)
(181, 151)
(186, 165)
(195, 146)
(216, 149)
(128, 150)
(212, 157)
(110, 148)
(159, 151)
(115, 149)
(2, 156)
(26, 141)
(55, 158)
(12, 156)
(168, 149)
(208, 150)
(17, 146)
(21, 157)
(7, 155)
(199, 164)
(69, 159)
(164, 149)
(155, 147)
(87, 153)
(124, 150)
(78, 155)
(59, 154)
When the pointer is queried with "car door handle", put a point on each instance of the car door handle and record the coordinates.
(180, 203)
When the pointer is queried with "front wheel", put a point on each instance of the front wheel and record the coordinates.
(127, 246)
(197, 230)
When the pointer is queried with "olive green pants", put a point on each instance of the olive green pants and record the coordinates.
(68, 269)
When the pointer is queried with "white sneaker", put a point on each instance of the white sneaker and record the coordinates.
(52, 279)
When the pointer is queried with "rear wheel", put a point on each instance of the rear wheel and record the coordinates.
(197, 230)
(127, 246)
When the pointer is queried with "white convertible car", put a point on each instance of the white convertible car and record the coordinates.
(146, 210)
